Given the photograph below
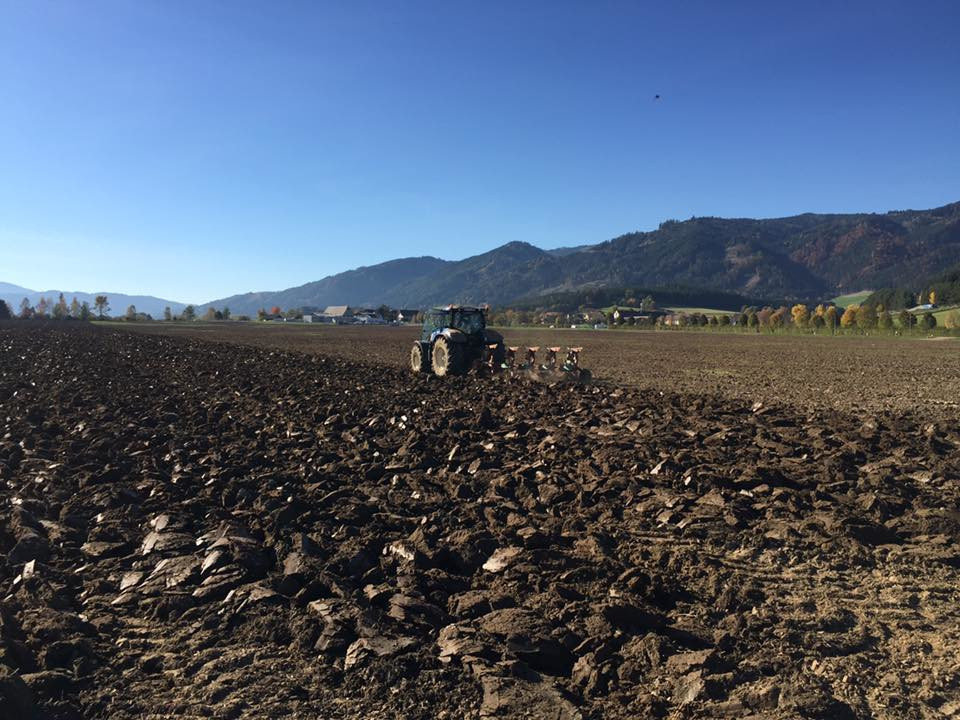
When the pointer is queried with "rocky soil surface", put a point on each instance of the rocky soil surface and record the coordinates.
(197, 529)
(852, 373)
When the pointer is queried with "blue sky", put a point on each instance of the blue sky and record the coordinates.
(193, 150)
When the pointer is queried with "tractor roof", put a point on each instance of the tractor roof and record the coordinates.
(468, 308)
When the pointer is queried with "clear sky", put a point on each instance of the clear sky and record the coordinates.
(194, 149)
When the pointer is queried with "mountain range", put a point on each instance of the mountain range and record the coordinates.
(14, 295)
(807, 257)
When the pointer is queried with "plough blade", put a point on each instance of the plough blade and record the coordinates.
(522, 362)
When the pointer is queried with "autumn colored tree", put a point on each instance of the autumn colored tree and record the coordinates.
(75, 309)
(275, 310)
(830, 317)
(933, 297)
(849, 317)
(40, 309)
(820, 310)
(778, 318)
(261, 314)
(210, 314)
(866, 317)
(102, 303)
(801, 315)
(952, 320)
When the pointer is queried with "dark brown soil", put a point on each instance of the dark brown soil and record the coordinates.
(197, 529)
(859, 374)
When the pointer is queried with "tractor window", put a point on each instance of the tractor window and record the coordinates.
(470, 323)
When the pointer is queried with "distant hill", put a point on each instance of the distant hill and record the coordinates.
(805, 257)
(945, 284)
(364, 287)
(14, 295)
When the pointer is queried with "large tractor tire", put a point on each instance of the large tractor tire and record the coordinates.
(446, 358)
(418, 359)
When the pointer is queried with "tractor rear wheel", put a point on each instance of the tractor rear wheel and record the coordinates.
(446, 358)
(418, 361)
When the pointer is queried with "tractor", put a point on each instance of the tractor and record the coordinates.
(454, 340)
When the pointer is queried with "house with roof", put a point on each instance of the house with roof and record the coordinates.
(338, 314)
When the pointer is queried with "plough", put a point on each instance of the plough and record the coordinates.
(560, 363)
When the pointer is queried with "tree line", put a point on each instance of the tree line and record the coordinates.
(46, 309)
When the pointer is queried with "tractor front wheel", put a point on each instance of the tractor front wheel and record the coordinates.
(446, 358)
(418, 360)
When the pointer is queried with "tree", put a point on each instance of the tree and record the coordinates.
(131, 313)
(724, 320)
(75, 309)
(275, 310)
(928, 321)
(849, 317)
(884, 321)
(830, 317)
(261, 314)
(817, 321)
(933, 297)
(85, 313)
(753, 320)
(648, 304)
(102, 304)
(40, 310)
(952, 320)
(907, 319)
(189, 313)
(60, 310)
(801, 315)
(5, 312)
(778, 318)
(26, 309)
(210, 315)
(866, 317)
(226, 313)
(167, 314)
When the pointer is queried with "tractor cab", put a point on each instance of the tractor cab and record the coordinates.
(468, 320)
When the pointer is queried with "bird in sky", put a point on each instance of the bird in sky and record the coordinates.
(656, 97)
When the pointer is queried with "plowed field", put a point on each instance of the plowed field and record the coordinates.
(203, 529)
(853, 373)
